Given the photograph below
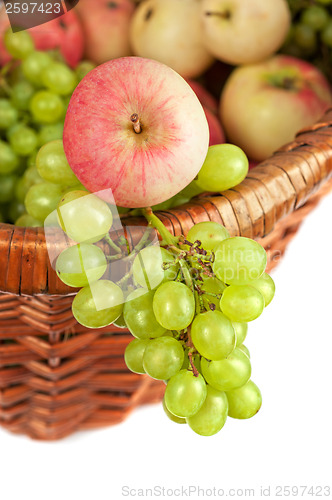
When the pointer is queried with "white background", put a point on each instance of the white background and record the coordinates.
(289, 442)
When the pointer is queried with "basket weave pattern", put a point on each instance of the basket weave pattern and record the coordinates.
(57, 377)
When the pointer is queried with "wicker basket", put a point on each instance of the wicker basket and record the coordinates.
(57, 377)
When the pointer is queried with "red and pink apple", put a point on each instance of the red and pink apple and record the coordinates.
(264, 105)
(205, 98)
(63, 33)
(135, 126)
(106, 28)
(217, 135)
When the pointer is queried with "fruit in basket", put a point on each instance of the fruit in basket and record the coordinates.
(105, 26)
(225, 166)
(217, 135)
(264, 105)
(147, 136)
(207, 100)
(210, 106)
(35, 91)
(310, 36)
(243, 32)
(171, 32)
(63, 33)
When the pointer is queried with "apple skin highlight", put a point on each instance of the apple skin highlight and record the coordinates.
(102, 147)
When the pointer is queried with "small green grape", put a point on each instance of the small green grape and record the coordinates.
(19, 44)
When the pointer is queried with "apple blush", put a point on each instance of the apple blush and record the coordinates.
(136, 127)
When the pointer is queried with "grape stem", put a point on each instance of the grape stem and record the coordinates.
(190, 353)
(153, 221)
(112, 244)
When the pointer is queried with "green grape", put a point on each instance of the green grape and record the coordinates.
(148, 267)
(26, 220)
(81, 265)
(66, 101)
(326, 35)
(31, 160)
(165, 205)
(34, 65)
(8, 114)
(134, 353)
(163, 358)
(30, 177)
(46, 107)
(139, 316)
(58, 78)
(305, 37)
(42, 199)
(191, 190)
(168, 333)
(53, 166)
(225, 166)
(214, 286)
(7, 187)
(210, 234)
(179, 199)
(49, 133)
(21, 95)
(19, 44)
(245, 350)
(242, 303)
(316, 17)
(21, 189)
(15, 210)
(229, 373)
(8, 159)
(185, 394)
(213, 335)
(174, 418)
(83, 68)
(266, 286)
(174, 305)
(98, 305)
(84, 216)
(212, 416)
(120, 322)
(324, 2)
(241, 330)
(23, 140)
(239, 260)
(244, 402)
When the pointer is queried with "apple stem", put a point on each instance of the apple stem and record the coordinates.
(136, 123)
(225, 15)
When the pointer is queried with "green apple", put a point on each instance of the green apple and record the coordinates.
(244, 31)
(171, 32)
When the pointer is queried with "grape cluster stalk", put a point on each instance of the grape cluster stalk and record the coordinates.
(186, 301)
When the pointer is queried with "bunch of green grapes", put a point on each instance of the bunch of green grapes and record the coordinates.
(35, 89)
(187, 303)
(310, 36)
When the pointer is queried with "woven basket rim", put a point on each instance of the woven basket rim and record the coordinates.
(271, 191)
